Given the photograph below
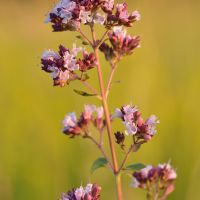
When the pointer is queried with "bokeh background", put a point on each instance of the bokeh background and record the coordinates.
(162, 77)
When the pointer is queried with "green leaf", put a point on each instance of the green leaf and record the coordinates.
(80, 37)
(85, 43)
(100, 162)
(136, 166)
(82, 93)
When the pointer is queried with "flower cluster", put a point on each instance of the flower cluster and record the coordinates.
(134, 123)
(161, 177)
(90, 192)
(70, 14)
(91, 114)
(122, 44)
(88, 61)
(122, 16)
(62, 65)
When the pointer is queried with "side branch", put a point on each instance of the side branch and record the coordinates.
(100, 147)
(93, 90)
(84, 36)
(113, 67)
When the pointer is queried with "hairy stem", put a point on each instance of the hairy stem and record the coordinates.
(108, 122)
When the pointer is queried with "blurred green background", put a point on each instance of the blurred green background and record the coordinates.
(162, 77)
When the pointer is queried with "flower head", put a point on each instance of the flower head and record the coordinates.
(88, 62)
(71, 126)
(70, 14)
(122, 43)
(134, 123)
(64, 64)
(90, 192)
(124, 17)
(91, 115)
(161, 176)
(108, 6)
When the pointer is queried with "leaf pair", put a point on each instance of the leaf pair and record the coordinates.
(102, 162)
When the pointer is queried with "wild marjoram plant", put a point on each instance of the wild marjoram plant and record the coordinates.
(66, 66)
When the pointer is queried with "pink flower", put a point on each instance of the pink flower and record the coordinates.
(70, 121)
(108, 6)
(124, 17)
(88, 62)
(88, 111)
(71, 126)
(90, 192)
(122, 43)
(99, 18)
(79, 193)
(64, 64)
(134, 124)
(161, 177)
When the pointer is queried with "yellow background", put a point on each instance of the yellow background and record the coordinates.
(38, 162)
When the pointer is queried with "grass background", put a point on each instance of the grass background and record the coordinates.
(162, 77)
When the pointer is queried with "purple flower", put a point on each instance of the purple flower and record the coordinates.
(62, 65)
(108, 51)
(131, 128)
(124, 17)
(69, 14)
(79, 193)
(122, 43)
(70, 121)
(134, 124)
(88, 62)
(71, 126)
(99, 18)
(93, 114)
(108, 6)
(88, 111)
(147, 129)
(161, 177)
(65, 16)
(70, 61)
(90, 192)
(120, 138)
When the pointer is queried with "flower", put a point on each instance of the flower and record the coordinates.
(108, 51)
(88, 62)
(120, 138)
(64, 16)
(91, 114)
(122, 43)
(88, 111)
(134, 123)
(161, 177)
(69, 14)
(99, 18)
(71, 126)
(108, 6)
(61, 65)
(90, 192)
(79, 193)
(64, 64)
(124, 18)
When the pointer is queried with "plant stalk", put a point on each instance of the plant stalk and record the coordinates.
(109, 129)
